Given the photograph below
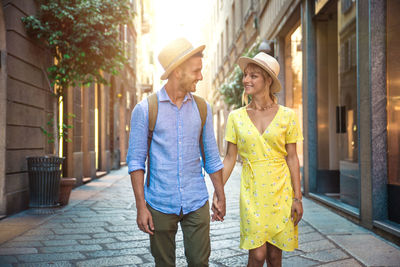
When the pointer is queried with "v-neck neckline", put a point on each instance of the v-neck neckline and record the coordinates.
(266, 128)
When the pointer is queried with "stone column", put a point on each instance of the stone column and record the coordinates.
(3, 104)
(89, 169)
(309, 97)
(378, 110)
(372, 87)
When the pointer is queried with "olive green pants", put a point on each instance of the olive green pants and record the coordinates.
(196, 237)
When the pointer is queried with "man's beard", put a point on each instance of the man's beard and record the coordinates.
(189, 86)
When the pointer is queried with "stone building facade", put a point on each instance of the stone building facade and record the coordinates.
(339, 74)
(229, 32)
(102, 112)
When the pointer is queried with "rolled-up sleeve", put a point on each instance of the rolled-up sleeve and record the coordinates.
(137, 151)
(213, 160)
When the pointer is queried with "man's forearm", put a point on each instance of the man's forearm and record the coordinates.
(216, 179)
(137, 178)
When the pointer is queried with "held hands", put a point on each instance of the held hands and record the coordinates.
(145, 220)
(218, 208)
(297, 211)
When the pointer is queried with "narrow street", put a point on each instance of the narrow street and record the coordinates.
(98, 228)
(72, 72)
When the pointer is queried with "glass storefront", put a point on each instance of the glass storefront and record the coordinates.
(293, 78)
(347, 125)
(352, 87)
(337, 125)
(393, 109)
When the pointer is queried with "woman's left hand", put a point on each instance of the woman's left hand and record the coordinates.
(297, 212)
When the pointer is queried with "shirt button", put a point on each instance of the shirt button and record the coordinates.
(180, 142)
(180, 157)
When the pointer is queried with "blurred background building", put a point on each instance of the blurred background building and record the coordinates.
(340, 74)
(101, 127)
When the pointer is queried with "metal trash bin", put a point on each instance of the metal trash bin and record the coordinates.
(44, 181)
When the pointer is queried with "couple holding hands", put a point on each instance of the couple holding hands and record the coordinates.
(262, 132)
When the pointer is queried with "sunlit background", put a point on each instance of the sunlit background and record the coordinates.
(178, 18)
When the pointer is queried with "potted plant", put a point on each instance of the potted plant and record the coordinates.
(82, 37)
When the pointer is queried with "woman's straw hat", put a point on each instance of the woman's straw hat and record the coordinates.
(175, 53)
(267, 63)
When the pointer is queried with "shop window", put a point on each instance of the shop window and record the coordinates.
(293, 78)
(338, 176)
(393, 109)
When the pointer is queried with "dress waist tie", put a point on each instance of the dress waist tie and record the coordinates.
(263, 162)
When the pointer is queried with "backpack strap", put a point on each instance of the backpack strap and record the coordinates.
(202, 107)
(153, 111)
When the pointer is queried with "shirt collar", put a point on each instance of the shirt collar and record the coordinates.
(163, 96)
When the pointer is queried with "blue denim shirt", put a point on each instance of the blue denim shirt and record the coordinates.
(176, 178)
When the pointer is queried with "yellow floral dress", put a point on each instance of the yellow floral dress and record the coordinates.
(266, 191)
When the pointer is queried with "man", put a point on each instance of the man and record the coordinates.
(176, 192)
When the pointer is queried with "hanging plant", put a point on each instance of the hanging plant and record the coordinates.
(83, 37)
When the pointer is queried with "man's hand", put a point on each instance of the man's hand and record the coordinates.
(218, 205)
(145, 220)
(218, 208)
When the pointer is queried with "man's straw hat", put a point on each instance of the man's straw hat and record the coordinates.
(267, 63)
(175, 53)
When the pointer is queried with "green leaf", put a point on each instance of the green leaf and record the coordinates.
(82, 35)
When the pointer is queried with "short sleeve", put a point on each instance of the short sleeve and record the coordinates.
(230, 131)
(293, 133)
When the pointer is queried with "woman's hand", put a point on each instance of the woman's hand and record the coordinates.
(297, 211)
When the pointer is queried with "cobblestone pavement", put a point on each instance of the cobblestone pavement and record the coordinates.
(98, 228)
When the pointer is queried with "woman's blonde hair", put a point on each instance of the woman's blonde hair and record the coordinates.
(265, 75)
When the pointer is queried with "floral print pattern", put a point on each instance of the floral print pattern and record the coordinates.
(266, 192)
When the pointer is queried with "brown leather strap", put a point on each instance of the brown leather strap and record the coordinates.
(202, 107)
(153, 111)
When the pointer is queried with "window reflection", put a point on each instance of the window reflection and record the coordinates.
(393, 109)
(293, 78)
(337, 125)
(393, 92)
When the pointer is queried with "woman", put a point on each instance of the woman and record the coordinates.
(265, 135)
